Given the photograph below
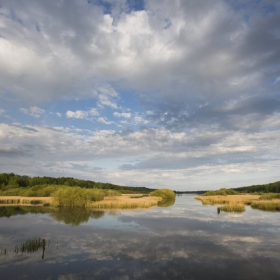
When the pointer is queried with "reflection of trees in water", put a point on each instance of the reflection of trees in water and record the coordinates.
(166, 202)
(70, 216)
(75, 216)
(8, 211)
(97, 214)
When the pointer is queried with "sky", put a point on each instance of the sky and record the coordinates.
(181, 94)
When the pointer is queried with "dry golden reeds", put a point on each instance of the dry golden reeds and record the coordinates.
(236, 203)
(24, 201)
(126, 201)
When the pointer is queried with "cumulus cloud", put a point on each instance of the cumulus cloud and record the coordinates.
(207, 75)
(196, 49)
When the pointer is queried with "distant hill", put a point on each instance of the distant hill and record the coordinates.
(11, 179)
(266, 188)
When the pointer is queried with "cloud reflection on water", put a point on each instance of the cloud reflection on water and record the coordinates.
(160, 243)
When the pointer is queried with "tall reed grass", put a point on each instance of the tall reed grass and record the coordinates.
(126, 201)
(236, 203)
(20, 201)
(232, 207)
(267, 205)
(234, 199)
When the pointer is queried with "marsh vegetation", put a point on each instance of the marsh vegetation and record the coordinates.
(127, 201)
(237, 202)
(29, 246)
(76, 197)
(74, 193)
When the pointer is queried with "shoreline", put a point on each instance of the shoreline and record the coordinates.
(125, 201)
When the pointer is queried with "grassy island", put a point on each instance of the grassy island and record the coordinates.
(229, 200)
(45, 191)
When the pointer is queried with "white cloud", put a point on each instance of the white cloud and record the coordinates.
(79, 114)
(2, 111)
(35, 112)
(184, 156)
(124, 115)
(203, 70)
(104, 120)
(93, 112)
(145, 50)
(105, 100)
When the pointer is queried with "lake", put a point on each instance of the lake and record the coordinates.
(184, 241)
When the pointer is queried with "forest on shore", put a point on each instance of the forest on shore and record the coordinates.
(12, 181)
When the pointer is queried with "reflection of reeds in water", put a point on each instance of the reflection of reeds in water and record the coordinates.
(126, 201)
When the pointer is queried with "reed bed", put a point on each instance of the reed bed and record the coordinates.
(232, 207)
(236, 203)
(126, 201)
(25, 201)
(269, 196)
(228, 199)
(267, 205)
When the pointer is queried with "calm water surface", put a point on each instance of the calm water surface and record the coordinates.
(183, 241)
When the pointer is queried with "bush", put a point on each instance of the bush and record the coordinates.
(164, 194)
(76, 196)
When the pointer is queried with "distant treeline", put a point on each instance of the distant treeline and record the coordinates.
(11, 179)
(189, 192)
(266, 188)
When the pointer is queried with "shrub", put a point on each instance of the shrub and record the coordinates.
(164, 194)
(76, 196)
